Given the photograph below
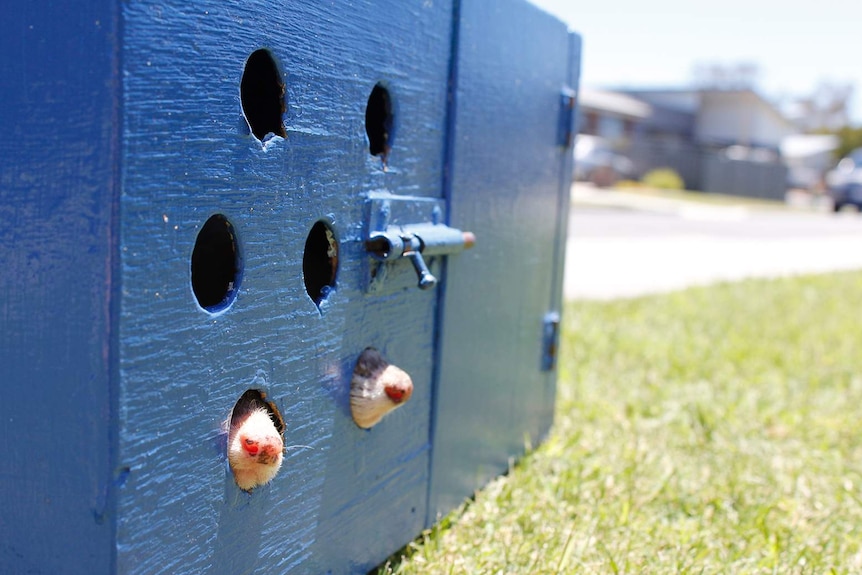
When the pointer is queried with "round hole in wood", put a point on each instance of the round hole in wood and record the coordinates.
(320, 262)
(379, 121)
(262, 95)
(216, 265)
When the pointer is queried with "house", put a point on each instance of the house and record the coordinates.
(613, 116)
(718, 140)
(717, 118)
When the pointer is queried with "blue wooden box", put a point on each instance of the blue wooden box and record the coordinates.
(126, 127)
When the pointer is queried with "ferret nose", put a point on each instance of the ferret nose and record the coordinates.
(398, 394)
(251, 447)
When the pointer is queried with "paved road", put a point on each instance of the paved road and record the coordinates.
(627, 247)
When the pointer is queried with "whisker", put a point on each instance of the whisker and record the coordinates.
(287, 447)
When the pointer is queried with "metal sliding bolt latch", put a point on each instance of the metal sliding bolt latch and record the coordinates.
(415, 241)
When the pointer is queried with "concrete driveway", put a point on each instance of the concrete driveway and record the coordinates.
(625, 245)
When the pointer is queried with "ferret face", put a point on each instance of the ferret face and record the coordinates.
(255, 449)
(376, 388)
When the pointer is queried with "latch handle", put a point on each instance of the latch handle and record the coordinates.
(412, 241)
(426, 278)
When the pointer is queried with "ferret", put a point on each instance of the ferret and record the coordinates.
(376, 388)
(255, 447)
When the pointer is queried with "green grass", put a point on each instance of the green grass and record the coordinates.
(714, 430)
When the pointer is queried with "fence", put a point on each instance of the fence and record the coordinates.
(710, 170)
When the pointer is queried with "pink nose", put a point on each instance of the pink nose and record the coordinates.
(397, 394)
(251, 447)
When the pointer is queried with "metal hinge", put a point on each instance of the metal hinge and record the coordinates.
(568, 104)
(550, 340)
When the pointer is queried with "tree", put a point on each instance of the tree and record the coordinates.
(827, 109)
(849, 139)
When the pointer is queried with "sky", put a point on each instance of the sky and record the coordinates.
(796, 44)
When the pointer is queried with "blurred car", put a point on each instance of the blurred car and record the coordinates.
(845, 181)
(596, 161)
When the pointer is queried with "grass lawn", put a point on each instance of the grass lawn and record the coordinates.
(714, 430)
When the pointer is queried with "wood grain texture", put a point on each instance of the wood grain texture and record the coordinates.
(351, 497)
(124, 134)
(506, 186)
(58, 197)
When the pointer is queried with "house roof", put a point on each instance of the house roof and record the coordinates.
(718, 117)
(689, 100)
(614, 103)
(753, 97)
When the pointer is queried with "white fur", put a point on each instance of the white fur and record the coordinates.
(250, 470)
(368, 399)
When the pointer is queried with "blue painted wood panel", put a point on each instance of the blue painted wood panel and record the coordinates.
(59, 145)
(124, 133)
(345, 498)
(509, 184)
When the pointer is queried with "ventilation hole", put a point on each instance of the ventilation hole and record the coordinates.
(251, 400)
(378, 122)
(262, 95)
(215, 265)
(320, 262)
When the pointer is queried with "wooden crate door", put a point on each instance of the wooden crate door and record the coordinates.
(345, 498)
(510, 175)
